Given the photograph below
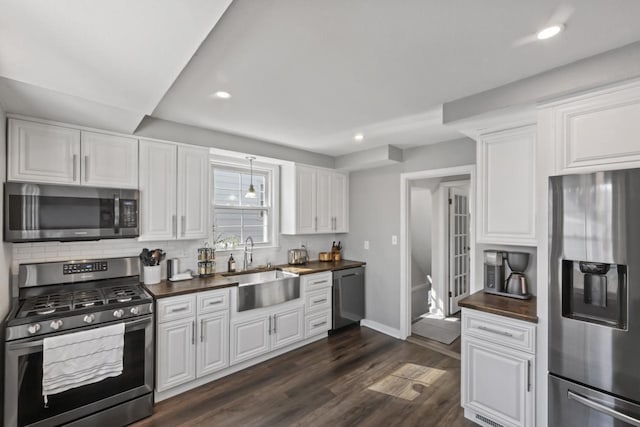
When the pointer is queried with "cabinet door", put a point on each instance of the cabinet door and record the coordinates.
(306, 199)
(288, 327)
(109, 161)
(43, 153)
(497, 382)
(598, 130)
(176, 353)
(340, 202)
(193, 192)
(249, 338)
(213, 346)
(506, 193)
(324, 211)
(158, 161)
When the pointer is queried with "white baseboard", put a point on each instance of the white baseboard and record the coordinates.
(387, 330)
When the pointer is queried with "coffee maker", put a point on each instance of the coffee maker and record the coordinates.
(495, 269)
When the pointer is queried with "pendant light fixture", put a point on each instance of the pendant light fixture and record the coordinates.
(251, 193)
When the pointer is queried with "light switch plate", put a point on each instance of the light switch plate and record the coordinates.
(394, 240)
(366, 244)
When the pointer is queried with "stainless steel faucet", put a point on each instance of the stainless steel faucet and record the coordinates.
(245, 264)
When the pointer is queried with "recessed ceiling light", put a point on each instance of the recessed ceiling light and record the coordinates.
(358, 137)
(549, 32)
(222, 94)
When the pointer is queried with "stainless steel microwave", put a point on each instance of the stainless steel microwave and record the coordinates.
(41, 212)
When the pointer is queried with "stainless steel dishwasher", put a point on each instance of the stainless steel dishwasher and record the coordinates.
(348, 297)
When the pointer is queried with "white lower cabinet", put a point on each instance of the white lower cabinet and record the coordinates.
(191, 343)
(249, 338)
(213, 347)
(176, 353)
(497, 375)
(317, 296)
(271, 330)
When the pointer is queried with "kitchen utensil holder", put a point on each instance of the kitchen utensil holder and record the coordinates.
(152, 274)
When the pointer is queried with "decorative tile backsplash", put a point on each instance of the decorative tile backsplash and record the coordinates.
(185, 250)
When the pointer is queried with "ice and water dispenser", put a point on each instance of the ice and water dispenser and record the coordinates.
(595, 292)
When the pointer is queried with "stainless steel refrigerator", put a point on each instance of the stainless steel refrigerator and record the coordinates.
(594, 299)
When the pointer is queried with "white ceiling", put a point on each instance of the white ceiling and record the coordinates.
(98, 63)
(310, 74)
(307, 74)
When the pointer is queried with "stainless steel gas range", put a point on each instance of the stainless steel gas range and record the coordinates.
(63, 297)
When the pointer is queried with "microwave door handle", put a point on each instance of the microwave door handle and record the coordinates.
(116, 214)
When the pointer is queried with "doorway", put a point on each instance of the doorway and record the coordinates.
(436, 255)
(439, 229)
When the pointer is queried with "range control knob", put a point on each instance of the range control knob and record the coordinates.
(33, 328)
(55, 324)
(118, 313)
(89, 318)
(135, 311)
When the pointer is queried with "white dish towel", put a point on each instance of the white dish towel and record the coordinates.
(81, 358)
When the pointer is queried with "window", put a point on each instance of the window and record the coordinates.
(235, 217)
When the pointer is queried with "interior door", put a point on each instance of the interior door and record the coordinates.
(458, 246)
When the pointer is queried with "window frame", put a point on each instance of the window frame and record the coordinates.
(272, 197)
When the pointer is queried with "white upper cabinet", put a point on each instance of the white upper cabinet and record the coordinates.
(324, 213)
(109, 160)
(193, 192)
(598, 130)
(174, 191)
(506, 186)
(313, 200)
(43, 153)
(340, 202)
(40, 152)
(306, 202)
(158, 180)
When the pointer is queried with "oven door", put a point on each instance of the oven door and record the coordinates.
(24, 403)
(35, 212)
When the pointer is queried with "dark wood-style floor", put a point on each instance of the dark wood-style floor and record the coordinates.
(323, 384)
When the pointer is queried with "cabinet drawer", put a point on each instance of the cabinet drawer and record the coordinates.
(317, 324)
(176, 308)
(317, 301)
(500, 330)
(212, 301)
(313, 282)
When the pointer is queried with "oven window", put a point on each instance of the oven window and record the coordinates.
(31, 403)
(59, 213)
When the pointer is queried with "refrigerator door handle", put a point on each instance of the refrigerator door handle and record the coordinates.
(596, 406)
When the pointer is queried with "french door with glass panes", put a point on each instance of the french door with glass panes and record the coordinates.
(459, 242)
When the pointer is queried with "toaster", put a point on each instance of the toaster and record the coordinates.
(298, 256)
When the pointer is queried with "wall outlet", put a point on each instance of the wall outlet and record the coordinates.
(366, 244)
(394, 240)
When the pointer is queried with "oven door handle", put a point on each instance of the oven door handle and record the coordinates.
(34, 342)
(596, 406)
(116, 213)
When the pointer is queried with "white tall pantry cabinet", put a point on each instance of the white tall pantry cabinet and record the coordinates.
(174, 191)
(314, 200)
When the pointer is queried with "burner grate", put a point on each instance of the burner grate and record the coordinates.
(87, 298)
(47, 304)
(122, 293)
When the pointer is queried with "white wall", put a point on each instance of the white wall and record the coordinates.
(5, 248)
(375, 216)
(420, 229)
